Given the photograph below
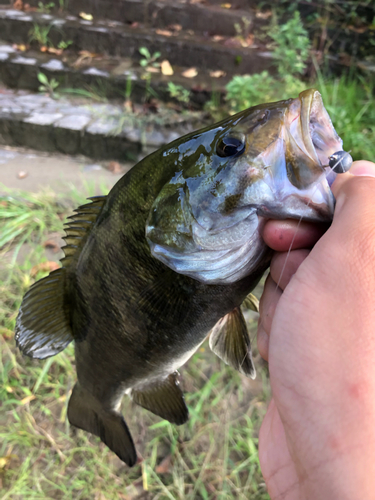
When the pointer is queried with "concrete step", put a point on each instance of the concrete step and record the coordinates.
(108, 77)
(96, 130)
(201, 18)
(118, 39)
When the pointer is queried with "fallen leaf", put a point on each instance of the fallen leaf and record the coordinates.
(51, 244)
(151, 69)
(27, 399)
(166, 68)
(22, 47)
(165, 465)
(163, 32)
(217, 74)
(86, 17)
(22, 174)
(44, 267)
(6, 333)
(264, 15)
(190, 73)
(18, 5)
(52, 50)
(43, 48)
(217, 38)
(175, 27)
(226, 5)
(114, 167)
(135, 24)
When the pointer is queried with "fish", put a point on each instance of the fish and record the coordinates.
(169, 256)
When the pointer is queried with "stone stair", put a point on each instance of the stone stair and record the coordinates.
(101, 58)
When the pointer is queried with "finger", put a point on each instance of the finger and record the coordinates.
(262, 341)
(284, 265)
(267, 304)
(280, 235)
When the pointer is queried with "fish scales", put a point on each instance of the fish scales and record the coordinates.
(170, 254)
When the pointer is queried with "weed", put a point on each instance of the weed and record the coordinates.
(244, 91)
(291, 46)
(64, 44)
(243, 30)
(45, 7)
(213, 456)
(48, 86)
(178, 92)
(149, 61)
(40, 34)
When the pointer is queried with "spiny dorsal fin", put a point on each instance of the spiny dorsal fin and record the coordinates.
(43, 323)
(79, 226)
(164, 398)
(251, 302)
(229, 339)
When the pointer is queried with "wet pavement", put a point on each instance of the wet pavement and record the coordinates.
(32, 171)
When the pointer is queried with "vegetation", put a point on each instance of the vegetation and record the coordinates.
(213, 456)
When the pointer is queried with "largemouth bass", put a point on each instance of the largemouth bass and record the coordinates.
(170, 254)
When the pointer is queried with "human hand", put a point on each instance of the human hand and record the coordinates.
(317, 330)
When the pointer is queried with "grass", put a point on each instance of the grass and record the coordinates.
(213, 456)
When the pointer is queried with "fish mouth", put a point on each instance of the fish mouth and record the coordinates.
(318, 134)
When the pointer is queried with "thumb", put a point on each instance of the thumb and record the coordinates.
(355, 190)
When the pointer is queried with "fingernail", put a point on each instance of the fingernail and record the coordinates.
(363, 168)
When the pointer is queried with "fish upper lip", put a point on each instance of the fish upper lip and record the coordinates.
(318, 134)
(307, 98)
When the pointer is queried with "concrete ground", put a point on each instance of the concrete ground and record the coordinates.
(33, 171)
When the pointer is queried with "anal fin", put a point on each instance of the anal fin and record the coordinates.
(86, 413)
(164, 398)
(230, 341)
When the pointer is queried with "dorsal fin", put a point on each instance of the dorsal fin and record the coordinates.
(79, 226)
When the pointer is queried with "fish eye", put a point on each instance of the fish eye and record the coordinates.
(231, 145)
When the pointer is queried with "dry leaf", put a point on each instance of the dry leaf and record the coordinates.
(52, 245)
(22, 47)
(163, 32)
(217, 38)
(166, 68)
(217, 74)
(190, 73)
(263, 15)
(52, 50)
(18, 5)
(175, 27)
(27, 399)
(6, 333)
(165, 465)
(152, 69)
(226, 5)
(44, 267)
(114, 167)
(43, 48)
(22, 174)
(86, 17)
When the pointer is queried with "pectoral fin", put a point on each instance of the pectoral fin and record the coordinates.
(230, 341)
(164, 398)
(43, 323)
(251, 302)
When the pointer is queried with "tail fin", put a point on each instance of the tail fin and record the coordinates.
(86, 413)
